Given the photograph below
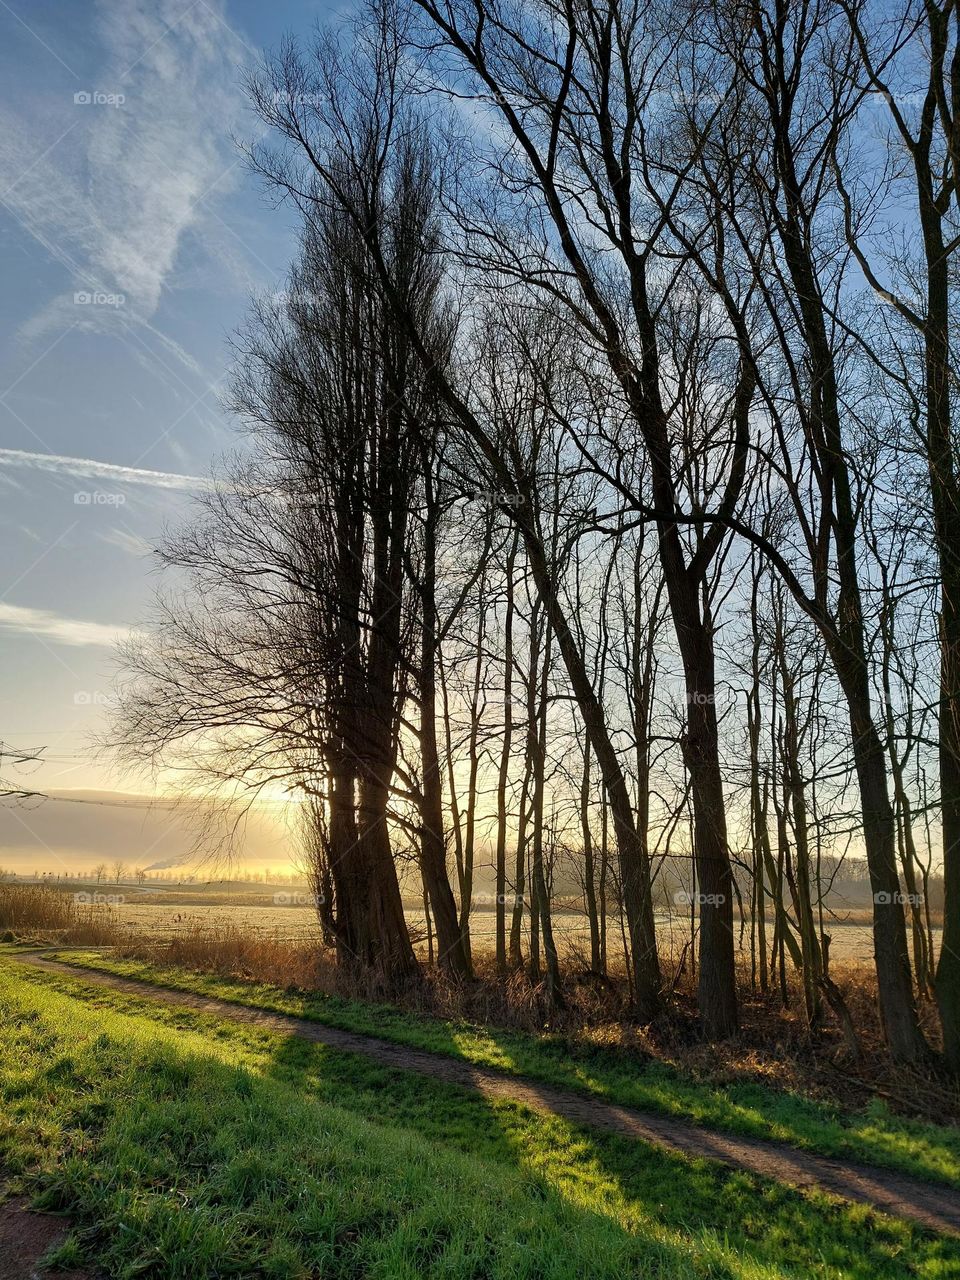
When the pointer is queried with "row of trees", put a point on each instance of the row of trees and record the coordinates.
(118, 870)
(600, 508)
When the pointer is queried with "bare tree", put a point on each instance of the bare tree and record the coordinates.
(296, 666)
(920, 43)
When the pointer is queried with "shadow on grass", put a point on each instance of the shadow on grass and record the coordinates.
(927, 1151)
(644, 1190)
(696, 1218)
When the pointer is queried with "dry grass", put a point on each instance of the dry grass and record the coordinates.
(231, 952)
(35, 914)
(515, 1001)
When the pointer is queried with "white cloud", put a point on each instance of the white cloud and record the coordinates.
(70, 631)
(90, 468)
(114, 197)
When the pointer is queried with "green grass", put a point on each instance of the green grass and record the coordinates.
(187, 1146)
(873, 1136)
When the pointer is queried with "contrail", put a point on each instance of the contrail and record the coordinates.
(89, 467)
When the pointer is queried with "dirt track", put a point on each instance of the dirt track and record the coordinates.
(937, 1208)
(26, 1237)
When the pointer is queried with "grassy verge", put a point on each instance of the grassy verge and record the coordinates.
(188, 1146)
(874, 1135)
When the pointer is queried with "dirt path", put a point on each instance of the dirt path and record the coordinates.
(26, 1237)
(937, 1208)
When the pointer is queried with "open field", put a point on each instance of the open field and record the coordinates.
(156, 911)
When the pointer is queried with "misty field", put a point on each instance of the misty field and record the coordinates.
(159, 912)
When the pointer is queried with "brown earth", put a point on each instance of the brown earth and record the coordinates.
(25, 1237)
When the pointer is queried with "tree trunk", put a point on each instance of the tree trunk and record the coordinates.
(846, 643)
(634, 863)
(503, 773)
(589, 871)
(945, 492)
(716, 989)
(382, 941)
(536, 745)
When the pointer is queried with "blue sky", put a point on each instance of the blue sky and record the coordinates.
(131, 238)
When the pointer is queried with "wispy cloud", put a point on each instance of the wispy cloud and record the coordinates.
(131, 543)
(50, 626)
(111, 188)
(91, 469)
